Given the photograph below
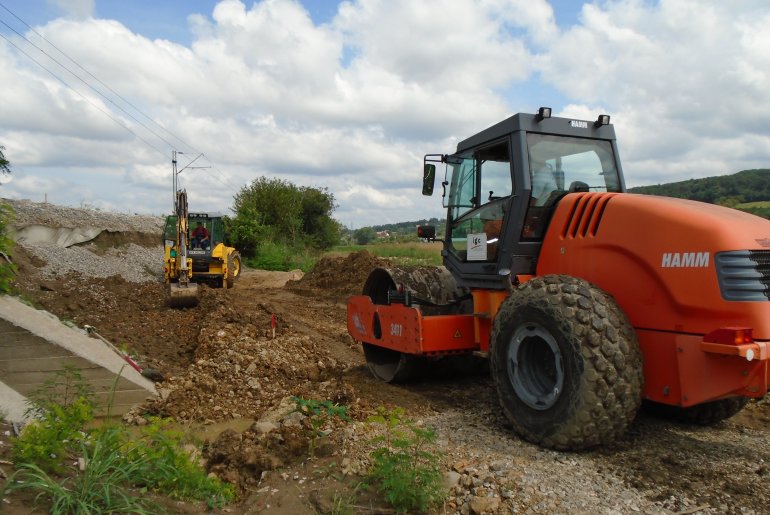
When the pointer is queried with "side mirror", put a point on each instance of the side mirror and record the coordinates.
(428, 179)
(427, 232)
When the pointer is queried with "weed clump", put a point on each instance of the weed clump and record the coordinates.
(404, 469)
(75, 467)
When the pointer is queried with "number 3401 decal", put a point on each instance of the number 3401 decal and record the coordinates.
(396, 330)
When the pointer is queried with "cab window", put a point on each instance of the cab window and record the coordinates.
(559, 165)
(480, 188)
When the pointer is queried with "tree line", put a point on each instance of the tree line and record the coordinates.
(728, 190)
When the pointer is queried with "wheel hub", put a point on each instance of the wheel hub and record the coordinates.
(535, 366)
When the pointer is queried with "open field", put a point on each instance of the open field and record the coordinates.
(414, 253)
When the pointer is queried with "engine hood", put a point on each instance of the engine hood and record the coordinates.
(660, 258)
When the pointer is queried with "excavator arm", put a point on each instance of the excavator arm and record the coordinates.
(182, 292)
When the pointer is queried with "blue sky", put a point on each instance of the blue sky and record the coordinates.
(168, 19)
(349, 96)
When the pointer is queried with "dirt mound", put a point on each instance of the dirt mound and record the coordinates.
(339, 276)
(239, 370)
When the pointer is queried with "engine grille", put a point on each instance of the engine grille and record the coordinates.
(744, 275)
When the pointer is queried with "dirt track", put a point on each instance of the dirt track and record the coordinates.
(225, 370)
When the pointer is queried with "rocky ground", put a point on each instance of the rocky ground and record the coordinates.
(230, 380)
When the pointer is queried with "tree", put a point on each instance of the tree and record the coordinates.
(7, 268)
(364, 235)
(5, 166)
(277, 211)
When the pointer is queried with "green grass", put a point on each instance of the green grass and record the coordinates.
(760, 204)
(117, 464)
(272, 256)
(401, 253)
(761, 208)
(278, 256)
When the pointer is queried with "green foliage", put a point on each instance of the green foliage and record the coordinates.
(364, 235)
(100, 488)
(115, 461)
(168, 468)
(7, 269)
(403, 468)
(5, 166)
(276, 211)
(62, 407)
(745, 186)
(319, 413)
(279, 256)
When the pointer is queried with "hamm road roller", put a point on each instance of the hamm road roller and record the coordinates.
(587, 300)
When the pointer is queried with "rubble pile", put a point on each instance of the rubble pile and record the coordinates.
(339, 277)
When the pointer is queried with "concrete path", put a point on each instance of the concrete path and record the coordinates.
(35, 345)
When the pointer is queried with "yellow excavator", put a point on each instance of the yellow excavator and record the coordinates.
(202, 258)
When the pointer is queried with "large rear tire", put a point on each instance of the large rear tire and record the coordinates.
(233, 268)
(566, 364)
(237, 264)
(705, 414)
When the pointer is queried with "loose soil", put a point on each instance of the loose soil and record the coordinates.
(229, 375)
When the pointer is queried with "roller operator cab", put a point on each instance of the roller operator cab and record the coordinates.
(586, 299)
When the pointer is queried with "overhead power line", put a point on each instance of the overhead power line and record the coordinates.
(222, 177)
(106, 113)
(97, 79)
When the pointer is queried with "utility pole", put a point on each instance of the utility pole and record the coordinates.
(175, 173)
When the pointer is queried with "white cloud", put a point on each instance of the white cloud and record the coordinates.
(682, 79)
(354, 103)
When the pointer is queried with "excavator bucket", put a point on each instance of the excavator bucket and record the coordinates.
(183, 295)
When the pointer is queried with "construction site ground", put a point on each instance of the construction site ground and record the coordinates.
(230, 380)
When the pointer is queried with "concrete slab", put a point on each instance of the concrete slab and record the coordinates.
(35, 345)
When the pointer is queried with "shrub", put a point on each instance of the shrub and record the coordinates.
(62, 407)
(168, 468)
(7, 268)
(319, 413)
(279, 256)
(403, 468)
(114, 460)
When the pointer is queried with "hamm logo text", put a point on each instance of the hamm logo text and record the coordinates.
(685, 260)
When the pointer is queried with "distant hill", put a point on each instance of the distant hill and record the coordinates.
(748, 191)
(738, 188)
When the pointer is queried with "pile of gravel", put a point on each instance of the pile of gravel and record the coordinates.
(135, 263)
(50, 215)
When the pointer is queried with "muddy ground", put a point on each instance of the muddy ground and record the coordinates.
(229, 380)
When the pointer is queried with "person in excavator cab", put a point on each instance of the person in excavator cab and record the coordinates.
(200, 237)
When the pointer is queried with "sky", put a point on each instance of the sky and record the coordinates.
(95, 94)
